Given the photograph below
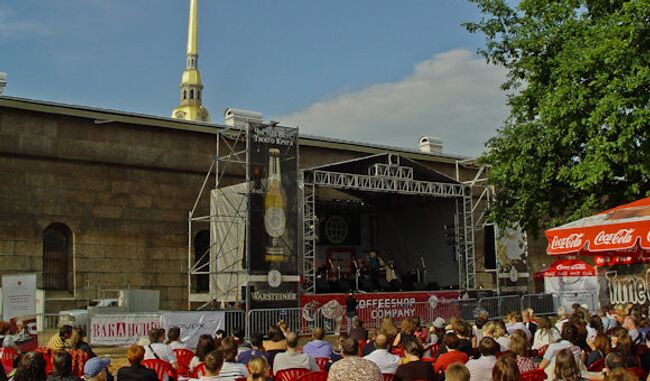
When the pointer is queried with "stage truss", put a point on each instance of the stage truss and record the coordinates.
(389, 177)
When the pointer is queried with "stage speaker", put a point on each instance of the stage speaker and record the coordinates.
(322, 286)
(490, 250)
(383, 285)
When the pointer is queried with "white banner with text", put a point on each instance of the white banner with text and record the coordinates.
(193, 324)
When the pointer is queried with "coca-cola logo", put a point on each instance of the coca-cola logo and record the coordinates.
(621, 237)
(573, 241)
(577, 266)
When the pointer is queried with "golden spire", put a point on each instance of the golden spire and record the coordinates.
(191, 84)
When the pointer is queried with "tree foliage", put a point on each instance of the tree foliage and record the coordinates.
(576, 139)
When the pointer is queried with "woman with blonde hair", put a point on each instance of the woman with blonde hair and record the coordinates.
(407, 332)
(546, 333)
(519, 347)
(258, 368)
(566, 368)
(389, 329)
(457, 372)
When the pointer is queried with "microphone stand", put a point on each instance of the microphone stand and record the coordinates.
(356, 275)
(424, 270)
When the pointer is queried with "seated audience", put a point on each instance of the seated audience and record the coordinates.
(645, 355)
(566, 367)
(519, 346)
(242, 345)
(30, 368)
(506, 369)
(515, 322)
(276, 342)
(414, 368)
(157, 349)
(136, 371)
(257, 350)
(230, 369)
(459, 372)
(62, 340)
(292, 358)
(96, 369)
(566, 342)
(214, 362)
(527, 319)
(205, 345)
(630, 323)
(174, 338)
(626, 348)
(407, 332)
(452, 355)
(481, 369)
(358, 332)
(463, 331)
(546, 333)
(5, 339)
(337, 353)
(77, 342)
(386, 361)
(370, 343)
(600, 348)
(352, 367)
(389, 329)
(317, 347)
(259, 369)
(62, 367)
(477, 328)
(621, 374)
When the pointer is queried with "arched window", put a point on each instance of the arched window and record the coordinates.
(202, 260)
(184, 94)
(57, 257)
(191, 94)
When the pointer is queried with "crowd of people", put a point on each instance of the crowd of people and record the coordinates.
(613, 344)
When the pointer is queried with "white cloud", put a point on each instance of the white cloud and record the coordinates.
(454, 95)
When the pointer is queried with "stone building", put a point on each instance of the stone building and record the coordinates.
(98, 199)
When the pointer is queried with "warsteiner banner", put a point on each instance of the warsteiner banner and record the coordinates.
(274, 204)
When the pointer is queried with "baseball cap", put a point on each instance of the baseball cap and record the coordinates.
(439, 322)
(95, 365)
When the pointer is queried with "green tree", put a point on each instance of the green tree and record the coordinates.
(576, 139)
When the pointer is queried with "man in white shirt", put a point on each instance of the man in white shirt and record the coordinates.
(157, 349)
(480, 369)
(386, 361)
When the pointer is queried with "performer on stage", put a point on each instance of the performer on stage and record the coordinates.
(350, 310)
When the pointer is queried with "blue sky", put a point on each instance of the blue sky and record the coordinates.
(371, 70)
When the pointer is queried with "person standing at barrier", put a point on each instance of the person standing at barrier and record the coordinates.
(350, 310)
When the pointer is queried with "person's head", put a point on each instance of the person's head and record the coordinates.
(451, 341)
(596, 323)
(625, 345)
(543, 323)
(135, 354)
(372, 334)
(292, 340)
(414, 348)
(219, 334)
(65, 332)
(174, 334)
(204, 346)
(214, 361)
(77, 336)
(388, 328)
(566, 367)
(568, 332)
(518, 345)
(349, 347)
(156, 335)
(4, 327)
(621, 374)
(525, 316)
(373, 254)
(238, 334)
(506, 369)
(31, 368)
(95, 369)
(381, 341)
(629, 323)
(457, 372)
(407, 327)
(575, 307)
(513, 317)
(317, 333)
(521, 333)
(229, 349)
(488, 347)
(62, 364)
(601, 342)
(275, 333)
(258, 367)
(614, 360)
(257, 340)
(460, 327)
(357, 323)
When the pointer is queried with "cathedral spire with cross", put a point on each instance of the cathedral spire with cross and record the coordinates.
(191, 86)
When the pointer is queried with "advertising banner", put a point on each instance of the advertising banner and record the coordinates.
(625, 284)
(512, 261)
(121, 329)
(273, 203)
(193, 324)
(19, 309)
(284, 295)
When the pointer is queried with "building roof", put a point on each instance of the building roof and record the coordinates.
(101, 115)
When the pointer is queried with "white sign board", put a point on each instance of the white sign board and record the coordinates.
(18, 296)
(193, 324)
(121, 329)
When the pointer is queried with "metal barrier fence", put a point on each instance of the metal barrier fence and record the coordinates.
(234, 319)
(540, 303)
(566, 299)
(500, 306)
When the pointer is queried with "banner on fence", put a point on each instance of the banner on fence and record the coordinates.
(193, 324)
(121, 329)
(380, 305)
(19, 309)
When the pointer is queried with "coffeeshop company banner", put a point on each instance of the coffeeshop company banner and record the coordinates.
(273, 204)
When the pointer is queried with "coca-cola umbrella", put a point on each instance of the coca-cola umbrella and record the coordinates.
(621, 231)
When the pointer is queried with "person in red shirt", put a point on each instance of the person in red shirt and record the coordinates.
(453, 355)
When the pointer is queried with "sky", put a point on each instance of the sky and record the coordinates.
(378, 71)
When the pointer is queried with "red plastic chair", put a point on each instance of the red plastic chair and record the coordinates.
(534, 375)
(597, 366)
(7, 357)
(199, 370)
(183, 359)
(79, 359)
(322, 363)
(48, 356)
(313, 376)
(162, 369)
(290, 374)
(388, 376)
(398, 351)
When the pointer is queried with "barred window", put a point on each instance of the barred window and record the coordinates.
(202, 260)
(57, 257)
